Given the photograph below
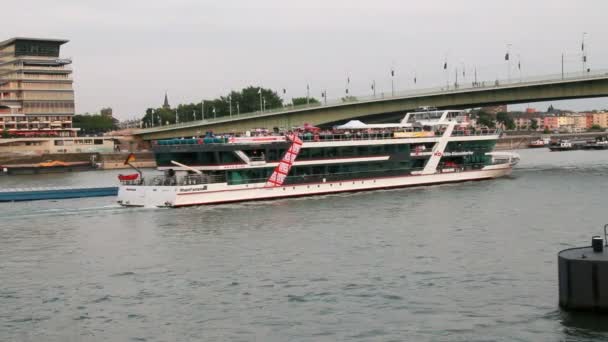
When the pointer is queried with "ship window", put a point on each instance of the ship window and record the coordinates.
(331, 152)
(304, 154)
(403, 148)
(363, 151)
(348, 151)
(273, 155)
(316, 153)
(375, 150)
(206, 158)
(318, 170)
(228, 157)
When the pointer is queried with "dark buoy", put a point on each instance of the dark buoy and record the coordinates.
(583, 276)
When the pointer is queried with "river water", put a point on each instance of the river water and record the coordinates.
(467, 262)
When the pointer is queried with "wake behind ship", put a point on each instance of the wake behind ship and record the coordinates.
(426, 147)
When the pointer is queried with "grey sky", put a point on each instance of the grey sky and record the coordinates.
(127, 53)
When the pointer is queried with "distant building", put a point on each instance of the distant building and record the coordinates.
(589, 120)
(550, 122)
(131, 123)
(494, 109)
(166, 103)
(36, 94)
(106, 112)
(580, 122)
(530, 110)
(601, 119)
(564, 121)
(522, 123)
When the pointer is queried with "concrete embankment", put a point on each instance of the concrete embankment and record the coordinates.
(117, 160)
(102, 160)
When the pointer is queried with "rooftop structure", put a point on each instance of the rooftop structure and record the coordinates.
(36, 94)
(166, 102)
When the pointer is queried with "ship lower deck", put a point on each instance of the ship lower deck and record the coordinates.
(179, 196)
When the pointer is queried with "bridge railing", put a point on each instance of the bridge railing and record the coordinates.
(446, 89)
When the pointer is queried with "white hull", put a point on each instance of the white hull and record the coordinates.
(177, 196)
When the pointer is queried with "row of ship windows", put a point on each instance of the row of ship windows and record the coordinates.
(273, 155)
(301, 172)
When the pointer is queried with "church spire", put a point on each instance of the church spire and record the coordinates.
(166, 103)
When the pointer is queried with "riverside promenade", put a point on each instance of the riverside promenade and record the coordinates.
(519, 141)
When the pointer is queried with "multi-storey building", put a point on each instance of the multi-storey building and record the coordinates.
(589, 119)
(580, 122)
(601, 119)
(36, 94)
(563, 121)
(522, 123)
(550, 122)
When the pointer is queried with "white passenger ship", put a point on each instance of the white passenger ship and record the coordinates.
(426, 147)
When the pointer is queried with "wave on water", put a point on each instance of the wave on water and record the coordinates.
(27, 212)
(564, 168)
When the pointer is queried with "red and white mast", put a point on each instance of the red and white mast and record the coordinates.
(277, 178)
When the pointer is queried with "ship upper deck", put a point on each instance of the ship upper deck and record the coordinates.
(324, 136)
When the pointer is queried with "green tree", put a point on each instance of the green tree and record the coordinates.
(595, 127)
(300, 101)
(245, 101)
(92, 124)
(506, 120)
(534, 124)
(485, 119)
(546, 131)
(349, 99)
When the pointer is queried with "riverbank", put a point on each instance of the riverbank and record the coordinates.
(516, 142)
(14, 163)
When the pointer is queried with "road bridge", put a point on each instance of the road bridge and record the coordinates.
(392, 108)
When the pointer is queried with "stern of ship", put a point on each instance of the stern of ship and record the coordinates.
(146, 196)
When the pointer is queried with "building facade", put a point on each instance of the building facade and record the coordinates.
(36, 93)
(550, 122)
(600, 119)
(522, 123)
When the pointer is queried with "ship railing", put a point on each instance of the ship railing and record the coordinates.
(347, 136)
(202, 179)
(482, 132)
(186, 180)
(162, 181)
(139, 181)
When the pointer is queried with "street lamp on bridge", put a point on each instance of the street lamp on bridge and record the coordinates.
(584, 59)
(508, 59)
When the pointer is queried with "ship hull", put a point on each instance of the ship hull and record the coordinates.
(180, 196)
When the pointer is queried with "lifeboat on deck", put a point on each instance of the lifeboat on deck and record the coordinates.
(130, 177)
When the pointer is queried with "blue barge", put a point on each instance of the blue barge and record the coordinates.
(34, 194)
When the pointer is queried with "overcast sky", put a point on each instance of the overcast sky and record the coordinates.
(127, 53)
